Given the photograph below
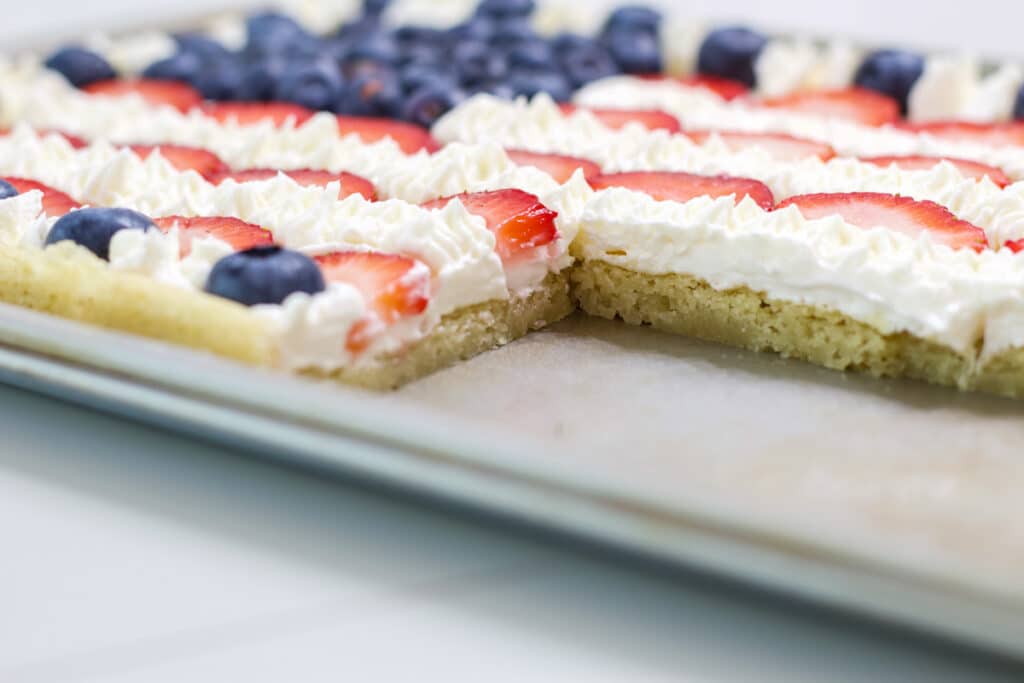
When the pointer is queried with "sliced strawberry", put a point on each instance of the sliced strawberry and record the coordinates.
(239, 234)
(394, 287)
(995, 134)
(651, 119)
(250, 113)
(893, 212)
(779, 145)
(1016, 246)
(726, 88)
(968, 168)
(175, 94)
(350, 182)
(557, 166)
(409, 137)
(204, 162)
(55, 202)
(76, 142)
(682, 187)
(518, 220)
(859, 105)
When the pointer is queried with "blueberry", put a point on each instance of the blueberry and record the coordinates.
(7, 190)
(415, 76)
(272, 33)
(358, 29)
(476, 28)
(505, 9)
(565, 42)
(371, 54)
(534, 55)
(264, 275)
(587, 62)
(1018, 107)
(219, 80)
(891, 72)
(316, 85)
(632, 17)
(429, 103)
(476, 63)
(502, 90)
(375, 7)
(731, 53)
(635, 51)
(418, 54)
(509, 34)
(80, 66)
(93, 228)
(182, 66)
(376, 94)
(201, 46)
(407, 36)
(529, 84)
(260, 79)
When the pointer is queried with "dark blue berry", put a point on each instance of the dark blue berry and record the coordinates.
(80, 66)
(415, 76)
(219, 80)
(890, 72)
(587, 62)
(509, 34)
(635, 51)
(315, 85)
(534, 55)
(375, 7)
(633, 17)
(529, 84)
(429, 103)
(731, 53)
(93, 228)
(476, 28)
(505, 9)
(201, 46)
(7, 190)
(264, 275)
(260, 79)
(358, 29)
(271, 33)
(374, 94)
(476, 63)
(182, 66)
(371, 54)
(564, 42)
(407, 36)
(419, 54)
(1018, 107)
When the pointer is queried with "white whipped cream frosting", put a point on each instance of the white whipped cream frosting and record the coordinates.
(699, 109)
(22, 222)
(888, 280)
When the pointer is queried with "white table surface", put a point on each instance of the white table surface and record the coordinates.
(129, 554)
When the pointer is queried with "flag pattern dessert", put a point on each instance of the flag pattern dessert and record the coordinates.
(371, 192)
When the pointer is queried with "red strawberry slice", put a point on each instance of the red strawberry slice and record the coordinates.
(557, 166)
(202, 161)
(409, 137)
(726, 88)
(518, 220)
(968, 168)
(995, 134)
(350, 182)
(239, 234)
(682, 187)
(651, 119)
(175, 94)
(893, 212)
(55, 202)
(251, 113)
(779, 145)
(395, 287)
(76, 142)
(1015, 246)
(859, 105)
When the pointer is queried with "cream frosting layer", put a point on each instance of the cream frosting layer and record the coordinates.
(699, 109)
(540, 125)
(888, 280)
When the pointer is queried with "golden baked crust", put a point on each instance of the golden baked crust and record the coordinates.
(744, 318)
